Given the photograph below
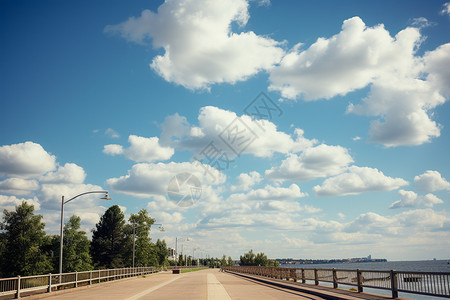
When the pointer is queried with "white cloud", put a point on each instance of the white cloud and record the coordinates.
(141, 149)
(112, 133)
(404, 87)
(270, 193)
(10, 202)
(343, 63)
(356, 138)
(146, 180)
(69, 173)
(245, 181)
(18, 186)
(411, 199)
(50, 195)
(358, 180)
(436, 63)
(431, 181)
(199, 47)
(165, 218)
(403, 105)
(446, 9)
(25, 160)
(315, 162)
(213, 123)
(113, 149)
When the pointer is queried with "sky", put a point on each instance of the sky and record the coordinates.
(301, 129)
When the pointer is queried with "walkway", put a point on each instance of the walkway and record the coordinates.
(200, 285)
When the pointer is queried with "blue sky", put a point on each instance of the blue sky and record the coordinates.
(124, 96)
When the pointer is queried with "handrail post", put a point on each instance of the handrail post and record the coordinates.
(49, 283)
(335, 284)
(76, 278)
(303, 276)
(18, 288)
(316, 277)
(394, 284)
(107, 275)
(359, 280)
(90, 277)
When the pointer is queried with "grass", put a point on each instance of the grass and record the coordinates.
(191, 270)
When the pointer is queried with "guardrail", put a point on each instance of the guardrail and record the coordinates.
(424, 283)
(51, 282)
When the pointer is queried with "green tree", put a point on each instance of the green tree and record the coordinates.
(162, 252)
(108, 239)
(223, 261)
(145, 250)
(76, 255)
(24, 243)
(248, 259)
(261, 259)
(230, 261)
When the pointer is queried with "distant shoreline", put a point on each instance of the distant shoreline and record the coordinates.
(328, 261)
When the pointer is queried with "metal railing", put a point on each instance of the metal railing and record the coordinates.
(424, 283)
(51, 282)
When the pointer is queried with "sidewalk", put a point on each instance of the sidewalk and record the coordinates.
(209, 284)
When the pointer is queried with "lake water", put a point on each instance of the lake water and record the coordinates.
(410, 266)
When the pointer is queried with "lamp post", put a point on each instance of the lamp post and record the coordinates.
(161, 228)
(106, 197)
(176, 249)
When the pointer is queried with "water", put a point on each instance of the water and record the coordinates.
(408, 266)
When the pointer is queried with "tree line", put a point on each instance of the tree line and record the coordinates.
(25, 248)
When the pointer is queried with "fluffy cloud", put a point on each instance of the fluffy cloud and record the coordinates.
(18, 186)
(146, 180)
(343, 63)
(50, 195)
(431, 181)
(10, 202)
(315, 162)
(411, 199)
(245, 181)
(408, 222)
(69, 173)
(200, 48)
(270, 193)
(358, 180)
(400, 95)
(25, 160)
(222, 126)
(141, 149)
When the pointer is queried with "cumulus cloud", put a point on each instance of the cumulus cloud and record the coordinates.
(25, 160)
(199, 47)
(316, 162)
(18, 186)
(10, 202)
(411, 199)
(431, 181)
(50, 195)
(404, 87)
(69, 173)
(222, 127)
(147, 180)
(245, 181)
(141, 149)
(270, 193)
(347, 61)
(358, 180)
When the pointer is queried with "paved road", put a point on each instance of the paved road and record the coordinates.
(207, 284)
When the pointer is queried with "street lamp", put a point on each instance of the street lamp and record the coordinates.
(176, 249)
(106, 197)
(161, 228)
